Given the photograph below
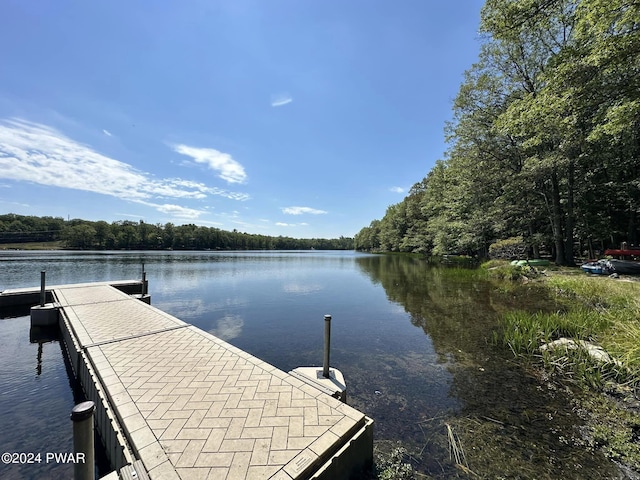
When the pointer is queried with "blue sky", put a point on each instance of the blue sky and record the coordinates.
(304, 118)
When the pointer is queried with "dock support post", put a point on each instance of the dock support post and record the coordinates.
(327, 345)
(329, 381)
(144, 290)
(43, 293)
(83, 445)
(45, 314)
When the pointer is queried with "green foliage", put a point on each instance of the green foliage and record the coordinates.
(545, 138)
(525, 332)
(490, 264)
(19, 228)
(595, 309)
(503, 270)
(508, 249)
(84, 234)
(619, 303)
(614, 431)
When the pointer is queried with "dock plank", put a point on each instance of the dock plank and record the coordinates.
(194, 406)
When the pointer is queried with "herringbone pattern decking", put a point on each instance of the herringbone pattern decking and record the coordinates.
(194, 406)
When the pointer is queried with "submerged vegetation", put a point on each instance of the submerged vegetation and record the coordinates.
(528, 411)
(394, 465)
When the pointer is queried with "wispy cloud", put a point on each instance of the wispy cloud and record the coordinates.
(208, 222)
(397, 190)
(283, 224)
(228, 169)
(107, 133)
(241, 196)
(301, 210)
(39, 154)
(178, 211)
(15, 203)
(281, 99)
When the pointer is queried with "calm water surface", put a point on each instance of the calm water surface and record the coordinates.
(413, 341)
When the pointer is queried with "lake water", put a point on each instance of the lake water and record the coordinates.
(413, 342)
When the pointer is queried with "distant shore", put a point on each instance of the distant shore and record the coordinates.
(57, 245)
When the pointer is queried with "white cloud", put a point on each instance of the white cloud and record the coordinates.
(15, 203)
(36, 153)
(283, 224)
(301, 210)
(107, 133)
(207, 222)
(203, 189)
(397, 190)
(280, 99)
(229, 169)
(178, 211)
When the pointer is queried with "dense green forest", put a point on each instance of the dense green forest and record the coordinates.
(544, 144)
(84, 234)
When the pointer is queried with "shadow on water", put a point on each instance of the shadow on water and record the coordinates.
(37, 394)
(509, 423)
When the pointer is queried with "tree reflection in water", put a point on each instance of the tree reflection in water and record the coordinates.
(510, 423)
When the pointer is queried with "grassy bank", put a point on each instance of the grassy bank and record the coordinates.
(593, 314)
(600, 311)
(58, 245)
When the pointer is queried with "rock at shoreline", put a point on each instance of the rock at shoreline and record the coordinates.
(596, 352)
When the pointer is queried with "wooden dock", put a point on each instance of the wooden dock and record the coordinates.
(187, 405)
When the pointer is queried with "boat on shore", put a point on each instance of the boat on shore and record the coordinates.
(608, 267)
(625, 267)
(598, 267)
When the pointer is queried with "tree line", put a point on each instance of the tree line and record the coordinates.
(130, 235)
(544, 141)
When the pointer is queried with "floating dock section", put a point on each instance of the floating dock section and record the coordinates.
(174, 402)
(27, 297)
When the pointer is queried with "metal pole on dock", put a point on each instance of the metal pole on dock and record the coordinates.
(43, 294)
(83, 447)
(327, 345)
(144, 281)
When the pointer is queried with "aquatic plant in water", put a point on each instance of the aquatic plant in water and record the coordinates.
(598, 310)
(393, 466)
